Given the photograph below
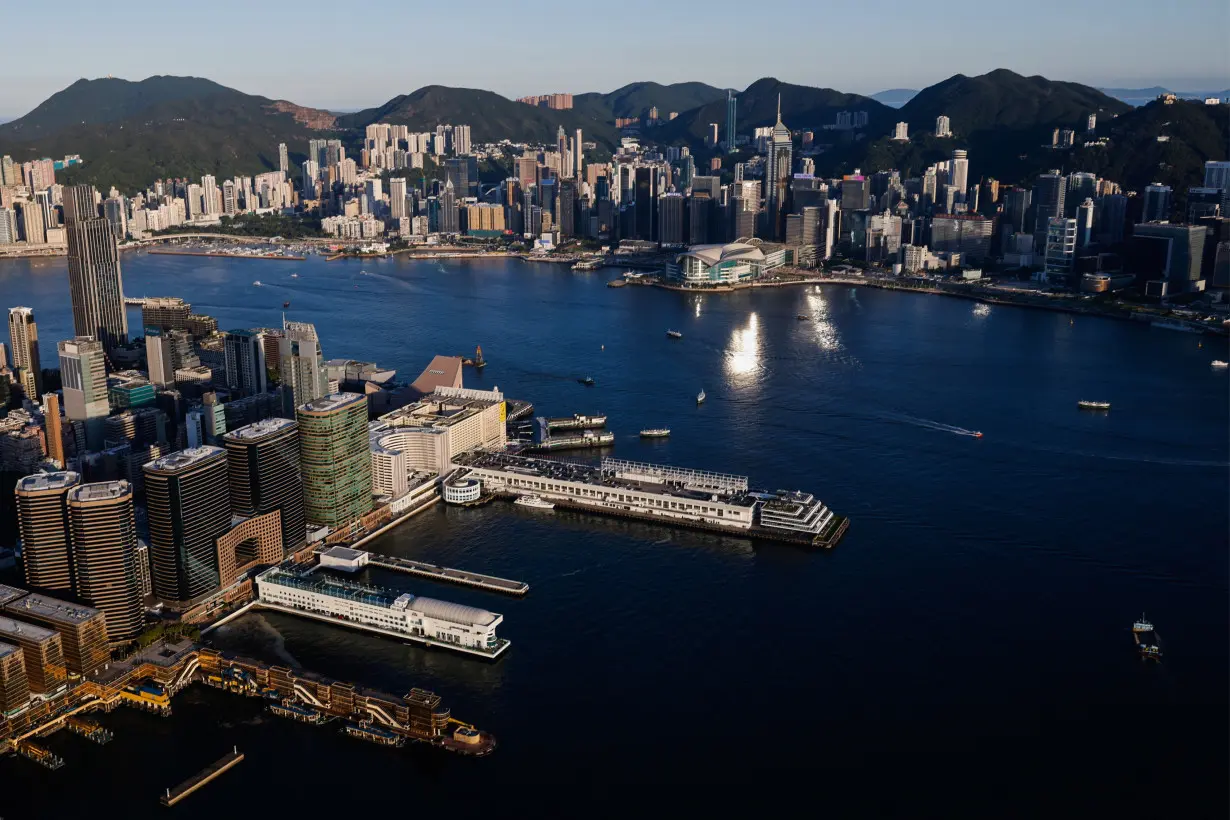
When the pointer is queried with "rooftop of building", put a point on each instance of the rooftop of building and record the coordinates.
(44, 482)
(9, 594)
(182, 460)
(442, 371)
(343, 553)
(732, 252)
(7, 649)
(261, 429)
(12, 628)
(53, 609)
(332, 403)
(100, 491)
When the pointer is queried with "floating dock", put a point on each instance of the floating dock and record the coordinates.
(446, 575)
(210, 772)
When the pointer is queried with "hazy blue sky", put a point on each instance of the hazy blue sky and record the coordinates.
(340, 55)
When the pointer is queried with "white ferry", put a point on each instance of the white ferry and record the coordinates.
(700, 397)
(1219, 364)
(656, 432)
(534, 502)
(1093, 405)
(256, 284)
(674, 334)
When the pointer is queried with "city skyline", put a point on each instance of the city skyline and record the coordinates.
(99, 45)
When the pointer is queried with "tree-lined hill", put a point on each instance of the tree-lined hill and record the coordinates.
(636, 99)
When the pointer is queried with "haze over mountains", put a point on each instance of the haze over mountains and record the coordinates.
(130, 133)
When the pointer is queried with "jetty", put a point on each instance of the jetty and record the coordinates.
(478, 580)
(209, 773)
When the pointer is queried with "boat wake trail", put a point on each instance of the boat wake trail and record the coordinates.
(929, 424)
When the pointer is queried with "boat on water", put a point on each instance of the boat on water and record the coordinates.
(534, 502)
(1093, 405)
(700, 397)
(674, 334)
(285, 305)
(294, 276)
(977, 434)
(256, 284)
(588, 381)
(802, 317)
(656, 432)
(1218, 363)
(1148, 643)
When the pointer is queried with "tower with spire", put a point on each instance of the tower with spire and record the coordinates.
(778, 169)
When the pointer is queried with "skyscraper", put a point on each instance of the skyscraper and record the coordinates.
(959, 172)
(577, 155)
(1156, 206)
(42, 517)
(730, 121)
(777, 175)
(23, 338)
(942, 126)
(104, 538)
(397, 197)
(14, 687)
(83, 373)
(1050, 192)
(263, 466)
(159, 358)
(646, 202)
(335, 459)
(303, 376)
(188, 505)
(245, 361)
(53, 429)
(1060, 246)
(95, 284)
(283, 159)
(449, 214)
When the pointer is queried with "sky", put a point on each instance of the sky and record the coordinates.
(343, 56)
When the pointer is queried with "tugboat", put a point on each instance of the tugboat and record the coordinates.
(588, 381)
(674, 334)
(656, 432)
(700, 397)
(1093, 405)
(1147, 641)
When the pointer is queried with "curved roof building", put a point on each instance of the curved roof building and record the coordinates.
(718, 264)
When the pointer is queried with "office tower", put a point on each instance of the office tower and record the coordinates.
(188, 505)
(959, 171)
(730, 121)
(1084, 223)
(8, 227)
(1217, 175)
(670, 217)
(158, 357)
(566, 209)
(1081, 186)
(450, 220)
(283, 159)
(335, 459)
(1112, 218)
(23, 338)
(700, 217)
(42, 517)
(646, 202)
(14, 688)
(1060, 247)
(303, 376)
(83, 373)
(42, 653)
(1174, 251)
(901, 132)
(1156, 203)
(95, 283)
(81, 630)
(165, 313)
(194, 428)
(578, 154)
(104, 537)
(777, 174)
(263, 468)
(1048, 199)
(245, 362)
(53, 429)
(943, 127)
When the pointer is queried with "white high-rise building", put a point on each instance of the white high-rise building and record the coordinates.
(1091, 123)
(942, 126)
(210, 196)
(397, 197)
(902, 132)
(577, 153)
(283, 159)
(461, 139)
(959, 170)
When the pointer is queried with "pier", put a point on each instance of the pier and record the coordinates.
(228, 255)
(210, 772)
(449, 576)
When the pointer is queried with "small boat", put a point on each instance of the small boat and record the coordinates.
(534, 502)
(802, 317)
(700, 397)
(1093, 405)
(1218, 363)
(256, 284)
(977, 434)
(285, 305)
(1147, 640)
(656, 432)
(588, 381)
(294, 276)
(674, 334)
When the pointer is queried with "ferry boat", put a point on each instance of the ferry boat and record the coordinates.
(700, 397)
(534, 502)
(674, 334)
(1147, 641)
(1218, 363)
(588, 381)
(656, 432)
(1093, 405)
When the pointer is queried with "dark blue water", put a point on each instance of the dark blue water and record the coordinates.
(964, 651)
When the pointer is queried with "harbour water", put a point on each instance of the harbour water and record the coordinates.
(966, 649)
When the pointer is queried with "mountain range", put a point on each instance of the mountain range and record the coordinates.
(130, 133)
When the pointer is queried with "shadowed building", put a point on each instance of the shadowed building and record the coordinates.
(82, 630)
(14, 688)
(94, 280)
(104, 537)
(334, 459)
(42, 516)
(263, 468)
(188, 504)
(23, 336)
(42, 654)
(251, 543)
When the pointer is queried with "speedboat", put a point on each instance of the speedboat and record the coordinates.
(674, 334)
(534, 502)
(1218, 363)
(977, 434)
(700, 397)
(294, 276)
(1093, 405)
(256, 284)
